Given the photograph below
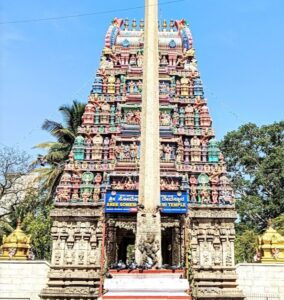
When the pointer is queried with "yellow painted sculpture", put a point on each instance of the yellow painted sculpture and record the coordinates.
(111, 84)
(16, 246)
(184, 86)
(271, 246)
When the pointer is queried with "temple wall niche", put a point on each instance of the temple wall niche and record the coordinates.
(76, 243)
(116, 230)
(212, 242)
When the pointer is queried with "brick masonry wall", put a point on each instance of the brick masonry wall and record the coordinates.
(260, 280)
(22, 279)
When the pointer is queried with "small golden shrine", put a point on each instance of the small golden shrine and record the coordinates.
(16, 246)
(271, 246)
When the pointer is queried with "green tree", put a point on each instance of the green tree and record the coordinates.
(278, 224)
(5, 228)
(255, 161)
(58, 150)
(15, 179)
(22, 198)
(245, 246)
(38, 224)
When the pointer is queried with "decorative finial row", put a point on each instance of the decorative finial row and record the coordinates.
(163, 26)
(133, 25)
(171, 27)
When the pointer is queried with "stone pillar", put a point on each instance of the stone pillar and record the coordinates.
(111, 244)
(148, 238)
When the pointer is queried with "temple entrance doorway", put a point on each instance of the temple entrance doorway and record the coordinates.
(125, 241)
(120, 239)
(172, 243)
(167, 247)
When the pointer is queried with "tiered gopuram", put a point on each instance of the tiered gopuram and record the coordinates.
(96, 206)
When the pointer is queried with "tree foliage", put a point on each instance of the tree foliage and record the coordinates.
(278, 224)
(245, 246)
(255, 161)
(15, 179)
(27, 195)
(37, 223)
(58, 150)
(21, 198)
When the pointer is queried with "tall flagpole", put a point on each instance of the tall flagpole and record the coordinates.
(148, 238)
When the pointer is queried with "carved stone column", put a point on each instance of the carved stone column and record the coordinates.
(176, 246)
(111, 244)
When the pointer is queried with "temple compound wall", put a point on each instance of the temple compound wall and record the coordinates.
(22, 279)
(25, 280)
(261, 281)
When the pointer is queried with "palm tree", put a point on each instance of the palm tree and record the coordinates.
(58, 151)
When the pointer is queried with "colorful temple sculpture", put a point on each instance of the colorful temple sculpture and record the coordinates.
(96, 206)
(270, 247)
(16, 246)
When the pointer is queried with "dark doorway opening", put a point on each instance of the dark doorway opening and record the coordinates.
(167, 246)
(125, 245)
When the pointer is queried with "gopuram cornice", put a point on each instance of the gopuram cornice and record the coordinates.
(211, 212)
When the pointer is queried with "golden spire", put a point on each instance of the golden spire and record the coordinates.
(16, 246)
(271, 246)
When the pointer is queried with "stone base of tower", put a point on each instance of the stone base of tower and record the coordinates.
(212, 262)
(216, 283)
(76, 283)
(76, 261)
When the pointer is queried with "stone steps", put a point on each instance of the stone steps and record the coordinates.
(147, 284)
(145, 297)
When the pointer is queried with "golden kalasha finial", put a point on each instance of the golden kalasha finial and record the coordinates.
(126, 24)
(172, 25)
(165, 25)
(134, 25)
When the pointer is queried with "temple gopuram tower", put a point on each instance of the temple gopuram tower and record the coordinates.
(99, 216)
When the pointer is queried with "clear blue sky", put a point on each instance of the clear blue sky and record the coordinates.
(239, 46)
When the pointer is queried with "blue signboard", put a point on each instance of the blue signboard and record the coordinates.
(173, 202)
(126, 202)
(121, 201)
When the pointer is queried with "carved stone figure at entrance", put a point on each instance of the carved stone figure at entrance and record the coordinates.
(149, 248)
